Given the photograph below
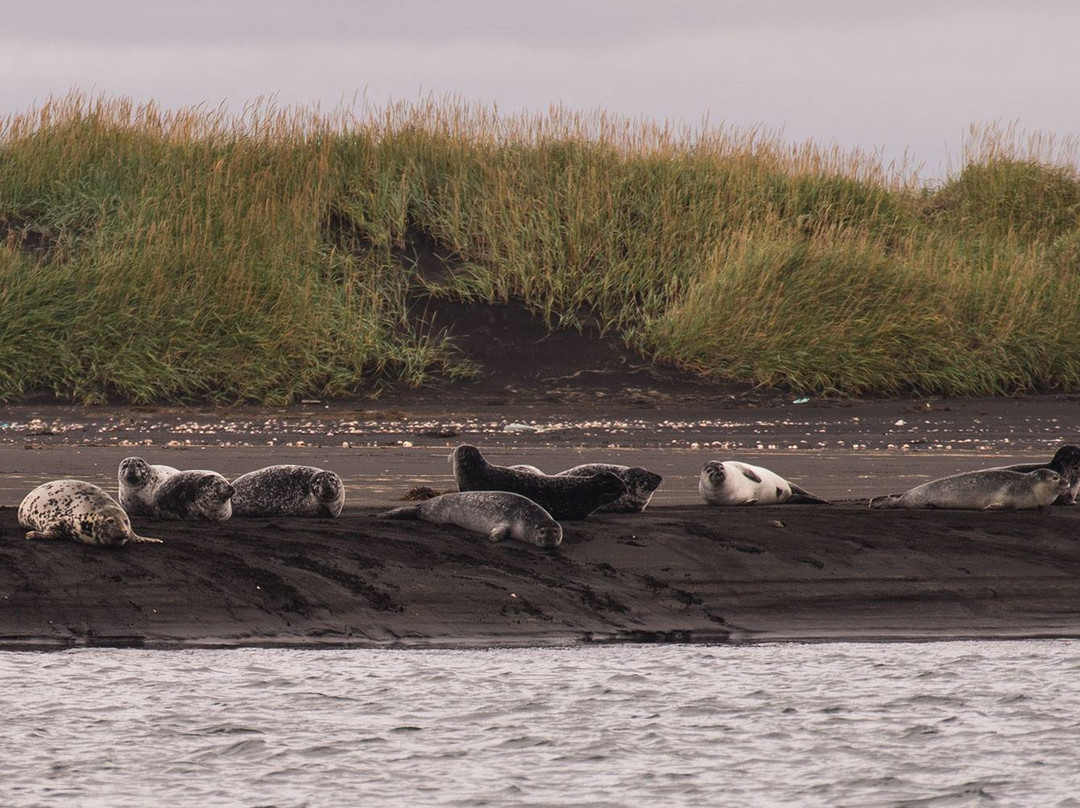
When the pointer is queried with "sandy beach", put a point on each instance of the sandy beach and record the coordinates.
(679, 572)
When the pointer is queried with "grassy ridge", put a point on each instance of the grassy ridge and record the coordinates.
(197, 255)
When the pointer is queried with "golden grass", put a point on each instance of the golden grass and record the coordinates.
(195, 254)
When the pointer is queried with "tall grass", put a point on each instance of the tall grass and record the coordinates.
(194, 254)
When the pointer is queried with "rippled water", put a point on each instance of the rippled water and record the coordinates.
(949, 724)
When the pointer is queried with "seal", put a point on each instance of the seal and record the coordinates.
(137, 480)
(1066, 462)
(562, 497)
(640, 484)
(986, 490)
(79, 511)
(733, 483)
(288, 490)
(497, 514)
(191, 495)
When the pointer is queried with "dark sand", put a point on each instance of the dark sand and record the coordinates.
(681, 571)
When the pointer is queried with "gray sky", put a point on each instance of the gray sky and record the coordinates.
(890, 76)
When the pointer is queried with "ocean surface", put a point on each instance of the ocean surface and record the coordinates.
(931, 724)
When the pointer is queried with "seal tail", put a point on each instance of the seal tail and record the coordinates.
(800, 496)
(143, 540)
(404, 512)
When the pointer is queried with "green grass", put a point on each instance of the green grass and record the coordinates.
(193, 255)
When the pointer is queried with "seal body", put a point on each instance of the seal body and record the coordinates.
(497, 514)
(640, 484)
(982, 490)
(192, 495)
(562, 497)
(1066, 462)
(288, 491)
(137, 481)
(730, 482)
(77, 511)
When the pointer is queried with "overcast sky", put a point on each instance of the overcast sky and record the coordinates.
(881, 75)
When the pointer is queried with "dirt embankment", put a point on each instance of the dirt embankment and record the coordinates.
(687, 573)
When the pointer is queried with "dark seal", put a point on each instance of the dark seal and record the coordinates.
(288, 490)
(562, 497)
(1066, 462)
(496, 514)
(193, 495)
(640, 484)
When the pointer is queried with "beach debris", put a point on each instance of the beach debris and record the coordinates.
(518, 428)
(776, 523)
(804, 400)
(419, 493)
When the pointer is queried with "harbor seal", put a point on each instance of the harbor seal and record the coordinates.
(562, 497)
(985, 490)
(1066, 462)
(640, 484)
(136, 482)
(733, 483)
(79, 511)
(288, 490)
(497, 514)
(191, 495)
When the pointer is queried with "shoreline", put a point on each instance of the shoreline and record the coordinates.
(672, 574)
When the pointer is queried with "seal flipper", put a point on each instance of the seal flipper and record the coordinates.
(143, 540)
(886, 501)
(404, 512)
(499, 533)
(800, 496)
(749, 474)
(53, 533)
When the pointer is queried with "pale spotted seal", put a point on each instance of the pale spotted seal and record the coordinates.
(1066, 462)
(733, 483)
(562, 497)
(640, 484)
(497, 514)
(190, 495)
(79, 511)
(988, 489)
(137, 481)
(288, 491)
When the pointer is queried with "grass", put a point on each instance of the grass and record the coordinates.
(148, 254)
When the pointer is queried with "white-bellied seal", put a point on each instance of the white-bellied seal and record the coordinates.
(562, 497)
(1066, 462)
(191, 495)
(730, 482)
(497, 514)
(640, 484)
(288, 490)
(136, 482)
(79, 511)
(981, 490)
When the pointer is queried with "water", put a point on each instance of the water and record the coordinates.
(936, 724)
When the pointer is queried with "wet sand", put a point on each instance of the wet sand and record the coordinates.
(680, 571)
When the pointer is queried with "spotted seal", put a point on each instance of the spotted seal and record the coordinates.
(640, 484)
(497, 514)
(1066, 462)
(136, 482)
(79, 511)
(730, 482)
(288, 490)
(191, 495)
(986, 490)
(562, 497)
